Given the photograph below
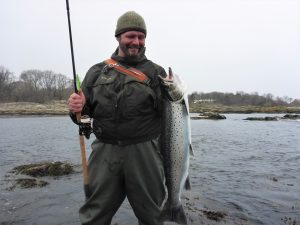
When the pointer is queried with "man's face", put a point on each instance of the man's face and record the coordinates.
(131, 43)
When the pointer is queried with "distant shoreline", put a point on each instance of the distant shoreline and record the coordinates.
(21, 109)
(59, 108)
(224, 109)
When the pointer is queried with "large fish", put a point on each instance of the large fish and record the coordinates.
(176, 147)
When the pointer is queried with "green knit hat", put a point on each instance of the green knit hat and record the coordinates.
(130, 21)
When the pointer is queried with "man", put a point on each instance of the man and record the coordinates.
(126, 112)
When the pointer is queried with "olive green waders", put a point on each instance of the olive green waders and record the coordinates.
(135, 171)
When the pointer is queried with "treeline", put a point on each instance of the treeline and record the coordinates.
(241, 98)
(42, 86)
(33, 86)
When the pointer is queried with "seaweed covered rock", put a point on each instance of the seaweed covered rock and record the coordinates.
(210, 116)
(18, 175)
(27, 183)
(44, 169)
(214, 215)
(267, 118)
(291, 116)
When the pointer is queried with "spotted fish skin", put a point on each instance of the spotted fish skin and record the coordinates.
(176, 147)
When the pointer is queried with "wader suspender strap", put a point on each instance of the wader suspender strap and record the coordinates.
(138, 75)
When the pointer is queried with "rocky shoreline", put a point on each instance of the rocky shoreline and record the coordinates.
(59, 108)
(39, 175)
(217, 116)
(248, 109)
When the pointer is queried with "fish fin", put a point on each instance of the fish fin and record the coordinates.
(171, 76)
(186, 103)
(191, 150)
(174, 214)
(187, 185)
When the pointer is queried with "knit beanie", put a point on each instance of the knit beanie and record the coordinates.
(130, 21)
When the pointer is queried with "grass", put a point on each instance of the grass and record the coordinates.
(32, 108)
(61, 108)
(217, 108)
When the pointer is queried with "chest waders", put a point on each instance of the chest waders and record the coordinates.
(133, 170)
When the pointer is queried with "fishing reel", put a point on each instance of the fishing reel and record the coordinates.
(85, 127)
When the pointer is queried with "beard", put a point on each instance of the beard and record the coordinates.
(132, 53)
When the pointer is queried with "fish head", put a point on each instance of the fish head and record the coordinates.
(173, 86)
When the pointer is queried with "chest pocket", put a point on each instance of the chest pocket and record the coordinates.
(139, 99)
(104, 97)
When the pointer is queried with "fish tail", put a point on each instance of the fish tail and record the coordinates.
(175, 214)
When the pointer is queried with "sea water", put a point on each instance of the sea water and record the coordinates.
(251, 168)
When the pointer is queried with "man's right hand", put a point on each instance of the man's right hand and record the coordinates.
(76, 102)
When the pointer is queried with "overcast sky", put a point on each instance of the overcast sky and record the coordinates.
(214, 45)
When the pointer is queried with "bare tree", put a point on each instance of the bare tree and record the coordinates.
(6, 79)
(240, 98)
(62, 84)
(32, 79)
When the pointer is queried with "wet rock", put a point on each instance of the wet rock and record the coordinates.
(27, 183)
(203, 211)
(17, 176)
(44, 169)
(214, 215)
(267, 118)
(210, 116)
(291, 116)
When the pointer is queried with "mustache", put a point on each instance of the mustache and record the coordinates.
(134, 46)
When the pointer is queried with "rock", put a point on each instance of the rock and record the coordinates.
(267, 118)
(214, 215)
(210, 116)
(44, 169)
(27, 183)
(50, 169)
(291, 116)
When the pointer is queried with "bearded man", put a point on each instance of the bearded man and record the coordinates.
(122, 95)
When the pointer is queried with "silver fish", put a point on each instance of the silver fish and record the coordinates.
(176, 147)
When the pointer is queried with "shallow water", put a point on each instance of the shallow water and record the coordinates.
(250, 165)
(248, 168)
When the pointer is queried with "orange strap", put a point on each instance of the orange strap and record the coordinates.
(127, 71)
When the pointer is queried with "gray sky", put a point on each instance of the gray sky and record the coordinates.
(214, 45)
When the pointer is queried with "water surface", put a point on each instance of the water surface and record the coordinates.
(250, 168)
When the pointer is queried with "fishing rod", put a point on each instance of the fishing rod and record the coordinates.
(78, 115)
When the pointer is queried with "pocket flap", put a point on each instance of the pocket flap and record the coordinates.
(105, 79)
